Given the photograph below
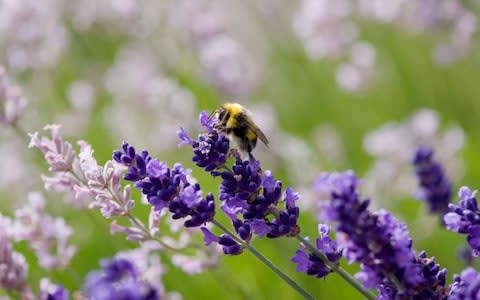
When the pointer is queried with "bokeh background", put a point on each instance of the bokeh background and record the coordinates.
(335, 85)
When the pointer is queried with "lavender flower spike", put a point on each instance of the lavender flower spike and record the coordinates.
(166, 187)
(464, 218)
(210, 149)
(380, 243)
(309, 263)
(434, 187)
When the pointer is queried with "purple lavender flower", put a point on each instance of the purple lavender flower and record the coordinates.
(311, 264)
(255, 195)
(434, 186)
(464, 218)
(118, 279)
(228, 243)
(465, 254)
(465, 286)
(210, 149)
(380, 243)
(136, 163)
(166, 187)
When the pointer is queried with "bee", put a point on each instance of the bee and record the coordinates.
(236, 122)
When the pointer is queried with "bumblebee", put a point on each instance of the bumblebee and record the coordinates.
(235, 121)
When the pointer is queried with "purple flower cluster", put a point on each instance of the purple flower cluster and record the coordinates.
(380, 243)
(465, 286)
(250, 196)
(434, 187)
(228, 243)
(464, 218)
(210, 150)
(166, 187)
(255, 195)
(310, 263)
(118, 279)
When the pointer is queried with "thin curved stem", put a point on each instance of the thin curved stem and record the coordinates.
(337, 269)
(265, 261)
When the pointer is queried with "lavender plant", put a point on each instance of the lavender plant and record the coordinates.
(257, 205)
(251, 198)
(380, 244)
(464, 218)
(88, 185)
(145, 50)
(434, 186)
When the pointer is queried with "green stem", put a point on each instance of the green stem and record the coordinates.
(268, 263)
(337, 269)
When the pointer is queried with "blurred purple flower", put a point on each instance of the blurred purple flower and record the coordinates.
(325, 27)
(464, 218)
(380, 243)
(118, 279)
(465, 286)
(465, 254)
(434, 187)
(225, 62)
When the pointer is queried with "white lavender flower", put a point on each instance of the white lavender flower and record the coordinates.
(151, 103)
(32, 33)
(226, 62)
(325, 27)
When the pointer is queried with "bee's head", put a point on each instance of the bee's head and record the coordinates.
(219, 113)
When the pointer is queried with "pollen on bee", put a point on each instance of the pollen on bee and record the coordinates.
(251, 135)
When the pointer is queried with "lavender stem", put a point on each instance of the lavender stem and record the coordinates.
(337, 269)
(268, 263)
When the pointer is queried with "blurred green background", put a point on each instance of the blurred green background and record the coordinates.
(304, 95)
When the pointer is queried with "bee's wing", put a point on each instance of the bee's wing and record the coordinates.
(212, 114)
(257, 131)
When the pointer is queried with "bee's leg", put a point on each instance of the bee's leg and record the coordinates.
(251, 157)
